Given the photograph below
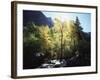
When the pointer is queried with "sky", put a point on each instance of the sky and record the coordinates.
(84, 18)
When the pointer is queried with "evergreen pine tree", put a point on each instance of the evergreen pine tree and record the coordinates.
(77, 23)
(79, 28)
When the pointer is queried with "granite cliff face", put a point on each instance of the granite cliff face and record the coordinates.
(37, 17)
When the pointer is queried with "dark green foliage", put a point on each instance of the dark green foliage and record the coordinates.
(63, 41)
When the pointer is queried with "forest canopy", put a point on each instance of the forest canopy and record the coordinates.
(61, 41)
